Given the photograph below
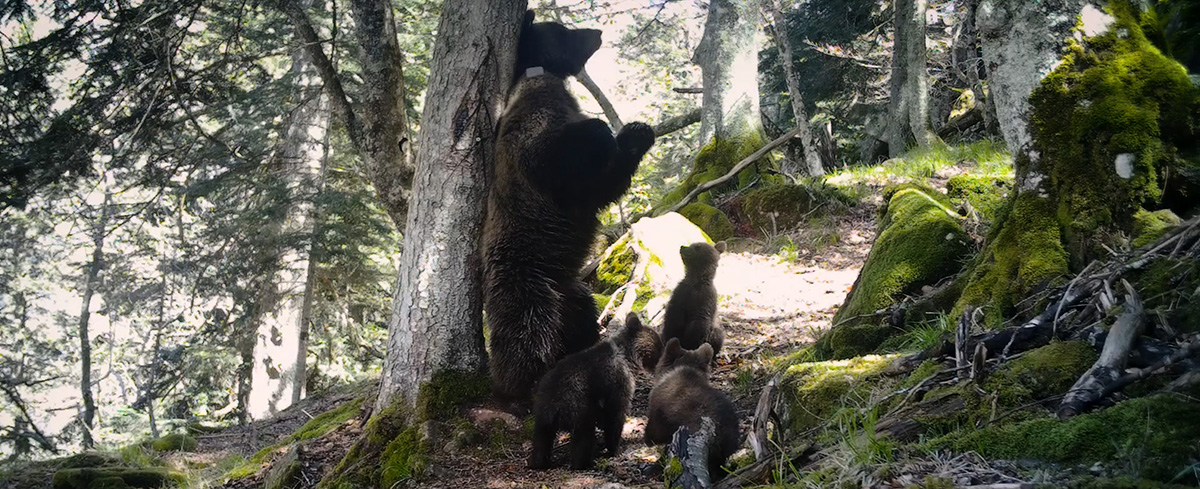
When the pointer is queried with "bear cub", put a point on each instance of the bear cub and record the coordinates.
(555, 169)
(588, 390)
(682, 396)
(691, 314)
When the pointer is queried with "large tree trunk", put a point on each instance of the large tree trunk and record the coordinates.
(437, 312)
(812, 158)
(280, 350)
(1088, 142)
(728, 59)
(909, 104)
(379, 128)
(91, 281)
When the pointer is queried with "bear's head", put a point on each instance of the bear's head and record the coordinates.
(554, 47)
(675, 355)
(700, 259)
(643, 345)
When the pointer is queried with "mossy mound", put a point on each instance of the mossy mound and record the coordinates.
(987, 194)
(711, 220)
(920, 242)
(814, 391)
(1152, 436)
(174, 442)
(318, 426)
(780, 208)
(649, 263)
(1168, 286)
(714, 160)
(115, 478)
(1149, 226)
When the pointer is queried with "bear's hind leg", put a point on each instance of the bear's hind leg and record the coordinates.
(583, 439)
(543, 444)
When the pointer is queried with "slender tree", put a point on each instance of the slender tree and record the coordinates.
(90, 284)
(437, 311)
(779, 32)
(908, 109)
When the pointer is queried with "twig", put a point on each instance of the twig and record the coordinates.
(1092, 386)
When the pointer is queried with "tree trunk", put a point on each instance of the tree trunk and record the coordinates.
(1080, 171)
(381, 134)
(437, 312)
(280, 350)
(91, 281)
(728, 59)
(812, 159)
(909, 104)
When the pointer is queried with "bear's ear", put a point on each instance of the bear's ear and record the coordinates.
(720, 246)
(528, 18)
(632, 319)
(672, 349)
(706, 353)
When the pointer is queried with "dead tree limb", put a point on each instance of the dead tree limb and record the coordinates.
(1092, 386)
(688, 90)
(1187, 350)
(691, 450)
(762, 419)
(741, 165)
(610, 112)
(676, 123)
(760, 472)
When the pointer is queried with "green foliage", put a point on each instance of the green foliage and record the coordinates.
(1156, 434)
(981, 158)
(814, 391)
(174, 442)
(987, 194)
(920, 242)
(712, 221)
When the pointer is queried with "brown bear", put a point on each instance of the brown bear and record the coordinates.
(682, 396)
(588, 390)
(555, 169)
(691, 314)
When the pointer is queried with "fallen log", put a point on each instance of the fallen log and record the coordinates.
(762, 418)
(1093, 385)
(759, 472)
(691, 450)
(1185, 351)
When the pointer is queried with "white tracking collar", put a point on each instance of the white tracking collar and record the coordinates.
(534, 71)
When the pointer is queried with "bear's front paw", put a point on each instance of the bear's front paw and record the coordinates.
(636, 138)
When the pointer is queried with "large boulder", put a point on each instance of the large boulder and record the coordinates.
(920, 242)
(646, 261)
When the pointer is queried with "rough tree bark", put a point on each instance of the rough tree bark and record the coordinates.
(381, 134)
(436, 324)
(1088, 140)
(277, 378)
(908, 108)
(91, 281)
(779, 32)
(728, 59)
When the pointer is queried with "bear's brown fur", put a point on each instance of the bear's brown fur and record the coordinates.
(588, 390)
(555, 169)
(691, 314)
(682, 396)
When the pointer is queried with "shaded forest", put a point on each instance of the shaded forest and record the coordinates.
(955, 243)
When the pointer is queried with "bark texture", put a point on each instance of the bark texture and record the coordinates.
(436, 324)
(812, 159)
(908, 108)
(728, 59)
(280, 352)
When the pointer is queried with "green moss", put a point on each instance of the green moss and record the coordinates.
(1041, 373)
(441, 397)
(1149, 226)
(1025, 254)
(985, 193)
(174, 442)
(814, 391)
(1156, 433)
(601, 300)
(712, 221)
(616, 268)
(1167, 286)
(714, 160)
(328, 420)
(920, 242)
(644, 294)
(106, 478)
(405, 457)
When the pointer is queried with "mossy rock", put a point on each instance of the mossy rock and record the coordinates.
(711, 220)
(1157, 435)
(285, 471)
(987, 194)
(920, 242)
(713, 161)
(115, 478)
(616, 267)
(782, 207)
(174, 442)
(1149, 226)
(814, 391)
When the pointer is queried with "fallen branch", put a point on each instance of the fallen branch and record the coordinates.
(688, 90)
(1187, 350)
(691, 450)
(741, 165)
(762, 419)
(676, 123)
(1093, 385)
(759, 472)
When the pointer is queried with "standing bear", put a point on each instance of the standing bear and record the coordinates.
(691, 315)
(555, 170)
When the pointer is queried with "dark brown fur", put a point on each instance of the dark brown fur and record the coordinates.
(555, 169)
(691, 314)
(588, 390)
(682, 396)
